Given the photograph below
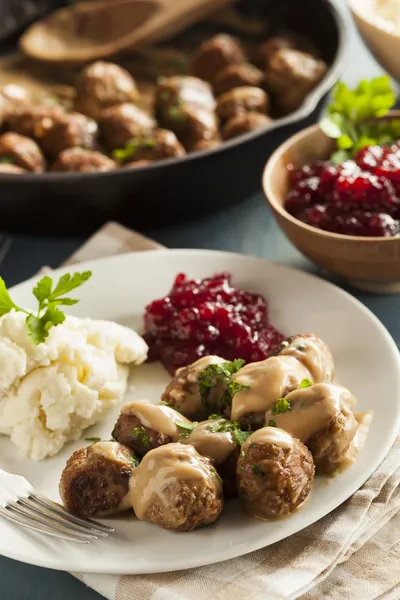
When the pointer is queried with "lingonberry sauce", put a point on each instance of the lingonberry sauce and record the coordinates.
(359, 197)
(208, 316)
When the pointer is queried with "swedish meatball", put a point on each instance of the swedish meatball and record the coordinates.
(177, 488)
(6, 167)
(173, 92)
(101, 85)
(22, 151)
(119, 124)
(312, 352)
(136, 163)
(267, 49)
(321, 417)
(264, 382)
(184, 394)
(242, 100)
(159, 145)
(95, 480)
(73, 130)
(244, 123)
(237, 76)
(192, 125)
(78, 160)
(291, 75)
(143, 426)
(214, 55)
(205, 145)
(275, 473)
(34, 121)
(14, 97)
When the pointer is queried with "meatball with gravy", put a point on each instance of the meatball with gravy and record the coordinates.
(34, 121)
(321, 416)
(265, 382)
(238, 76)
(22, 151)
(184, 393)
(73, 130)
(216, 54)
(266, 50)
(244, 123)
(177, 90)
(95, 480)
(242, 100)
(78, 160)
(176, 488)
(312, 352)
(119, 124)
(159, 145)
(103, 84)
(275, 473)
(143, 426)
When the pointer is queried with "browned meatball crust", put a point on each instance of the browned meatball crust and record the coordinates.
(176, 91)
(14, 97)
(136, 163)
(205, 145)
(244, 123)
(267, 49)
(74, 130)
(6, 167)
(214, 55)
(95, 480)
(242, 100)
(101, 85)
(291, 75)
(78, 160)
(119, 124)
(34, 121)
(22, 151)
(275, 473)
(185, 494)
(143, 426)
(159, 145)
(192, 125)
(238, 76)
(312, 352)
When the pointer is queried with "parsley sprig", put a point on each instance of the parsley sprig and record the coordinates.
(224, 426)
(221, 374)
(49, 297)
(186, 428)
(351, 118)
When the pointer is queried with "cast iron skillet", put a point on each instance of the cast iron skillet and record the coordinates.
(177, 189)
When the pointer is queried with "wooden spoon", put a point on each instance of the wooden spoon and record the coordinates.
(90, 30)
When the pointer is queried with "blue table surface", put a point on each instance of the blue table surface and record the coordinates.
(248, 228)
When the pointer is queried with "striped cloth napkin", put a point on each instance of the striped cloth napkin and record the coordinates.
(351, 554)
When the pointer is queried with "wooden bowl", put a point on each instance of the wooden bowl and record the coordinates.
(383, 43)
(370, 264)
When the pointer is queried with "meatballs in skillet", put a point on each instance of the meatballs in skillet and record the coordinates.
(6, 167)
(143, 426)
(291, 75)
(176, 488)
(73, 130)
(101, 85)
(119, 124)
(193, 125)
(79, 160)
(206, 145)
(95, 480)
(267, 49)
(22, 151)
(34, 121)
(185, 394)
(14, 97)
(244, 123)
(238, 76)
(264, 382)
(176, 91)
(215, 54)
(275, 473)
(242, 100)
(158, 145)
(321, 417)
(312, 352)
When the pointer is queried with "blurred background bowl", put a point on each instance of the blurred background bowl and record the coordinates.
(177, 189)
(379, 35)
(370, 264)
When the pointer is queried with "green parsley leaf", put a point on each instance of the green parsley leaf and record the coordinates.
(217, 475)
(234, 387)
(282, 405)
(305, 383)
(139, 434)
(6, 304)
(69, 282)
(42, 289)
(93, 439)
(270, 424)
(177, 115)
(134, 462)
(241, 436)
(186, 428)
(215, 417)
(217, 374)
(257, 470)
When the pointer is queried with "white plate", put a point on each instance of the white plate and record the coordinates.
(367, 361)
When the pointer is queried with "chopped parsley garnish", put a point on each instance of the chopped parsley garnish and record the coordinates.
(131, 147)
(228, 427)
(186, 428)
(176, 114)
(305, 383)
(220, 426)
(215, 417)
(139, 434)
(6, 160)
(270, 423)
(234, 387)
(241, 436)
(282, 405)
(93, 439)
(217, 475)
(134, 462)
(217, 374)
(257, 470)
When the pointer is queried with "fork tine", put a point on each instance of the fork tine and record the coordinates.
(41, 519)
(58, 509)
(59, 519)
(16, 519)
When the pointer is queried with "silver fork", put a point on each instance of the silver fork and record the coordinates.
(21, 504)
